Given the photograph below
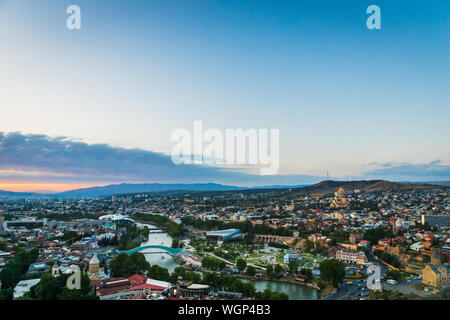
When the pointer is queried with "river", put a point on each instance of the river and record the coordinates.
(163, 260)
(294, 291)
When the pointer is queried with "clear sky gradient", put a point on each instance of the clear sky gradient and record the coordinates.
(348, 100)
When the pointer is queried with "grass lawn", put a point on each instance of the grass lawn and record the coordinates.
(310, 257)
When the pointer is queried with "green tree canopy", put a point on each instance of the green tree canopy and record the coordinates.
(269, 270)
(125, 265)
(158, 273)
(251, 271)
(241, 264)
(293, 267)
(55, 288)
(332, 271)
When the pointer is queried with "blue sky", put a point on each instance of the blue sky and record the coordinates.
(348, 100)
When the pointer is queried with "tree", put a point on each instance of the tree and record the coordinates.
(213, 263)
(70, 237)
(251, 271)
(158, 273)
(173, 229)
(269, 270)
(249, 237)
(125, 265)
(363, 249)
(139, 261)
(228, 283)
(6, 294)
(278, 269)
(10, 275)
(132, 245)
(24, 259)
(373, 235)
(332, 271)
(175, 243)
(241, 264)
(387, 257)
(46, 289)
(34, 254)
(177, 272)
(122, 244)
(117, 264)
(16, 268)
(309, 246)
(68, 294)
(267, 294)
(307, 273)
(108, 241)
(55, 288)
(293, 267)
(333, 241)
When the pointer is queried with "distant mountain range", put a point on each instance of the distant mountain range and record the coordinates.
(439, 183)
(11, 194)
(327, 186)
(123, 188)
(126, 188)
(144, 187)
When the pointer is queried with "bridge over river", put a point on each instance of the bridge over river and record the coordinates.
(157, 230)
(168, 250)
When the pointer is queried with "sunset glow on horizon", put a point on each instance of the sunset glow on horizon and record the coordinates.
(41, 187)
(101, 104)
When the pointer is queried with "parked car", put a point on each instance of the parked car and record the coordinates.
(392, 281)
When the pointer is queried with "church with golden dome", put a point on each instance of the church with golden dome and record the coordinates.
(339, 200)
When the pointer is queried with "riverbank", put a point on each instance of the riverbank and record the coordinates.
(282, 280)
(294, 289)
(265, 278)
(173, 229)
(150, 223)
(159, 238)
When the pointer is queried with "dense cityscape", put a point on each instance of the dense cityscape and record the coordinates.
(222, 159)
(297, 244)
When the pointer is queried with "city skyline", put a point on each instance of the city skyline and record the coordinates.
(65, 164)
(368, 104)
(221, 158)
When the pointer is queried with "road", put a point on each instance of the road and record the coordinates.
(408, 287)
(233, 264)
(224, 260)
(352, 291)
(357, 288)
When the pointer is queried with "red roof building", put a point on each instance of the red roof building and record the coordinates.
(111, 286)
(148, 287)
(137, 279)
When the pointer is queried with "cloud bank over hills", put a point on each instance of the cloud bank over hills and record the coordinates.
(36, 158)
(433, 171)
(32, 157)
